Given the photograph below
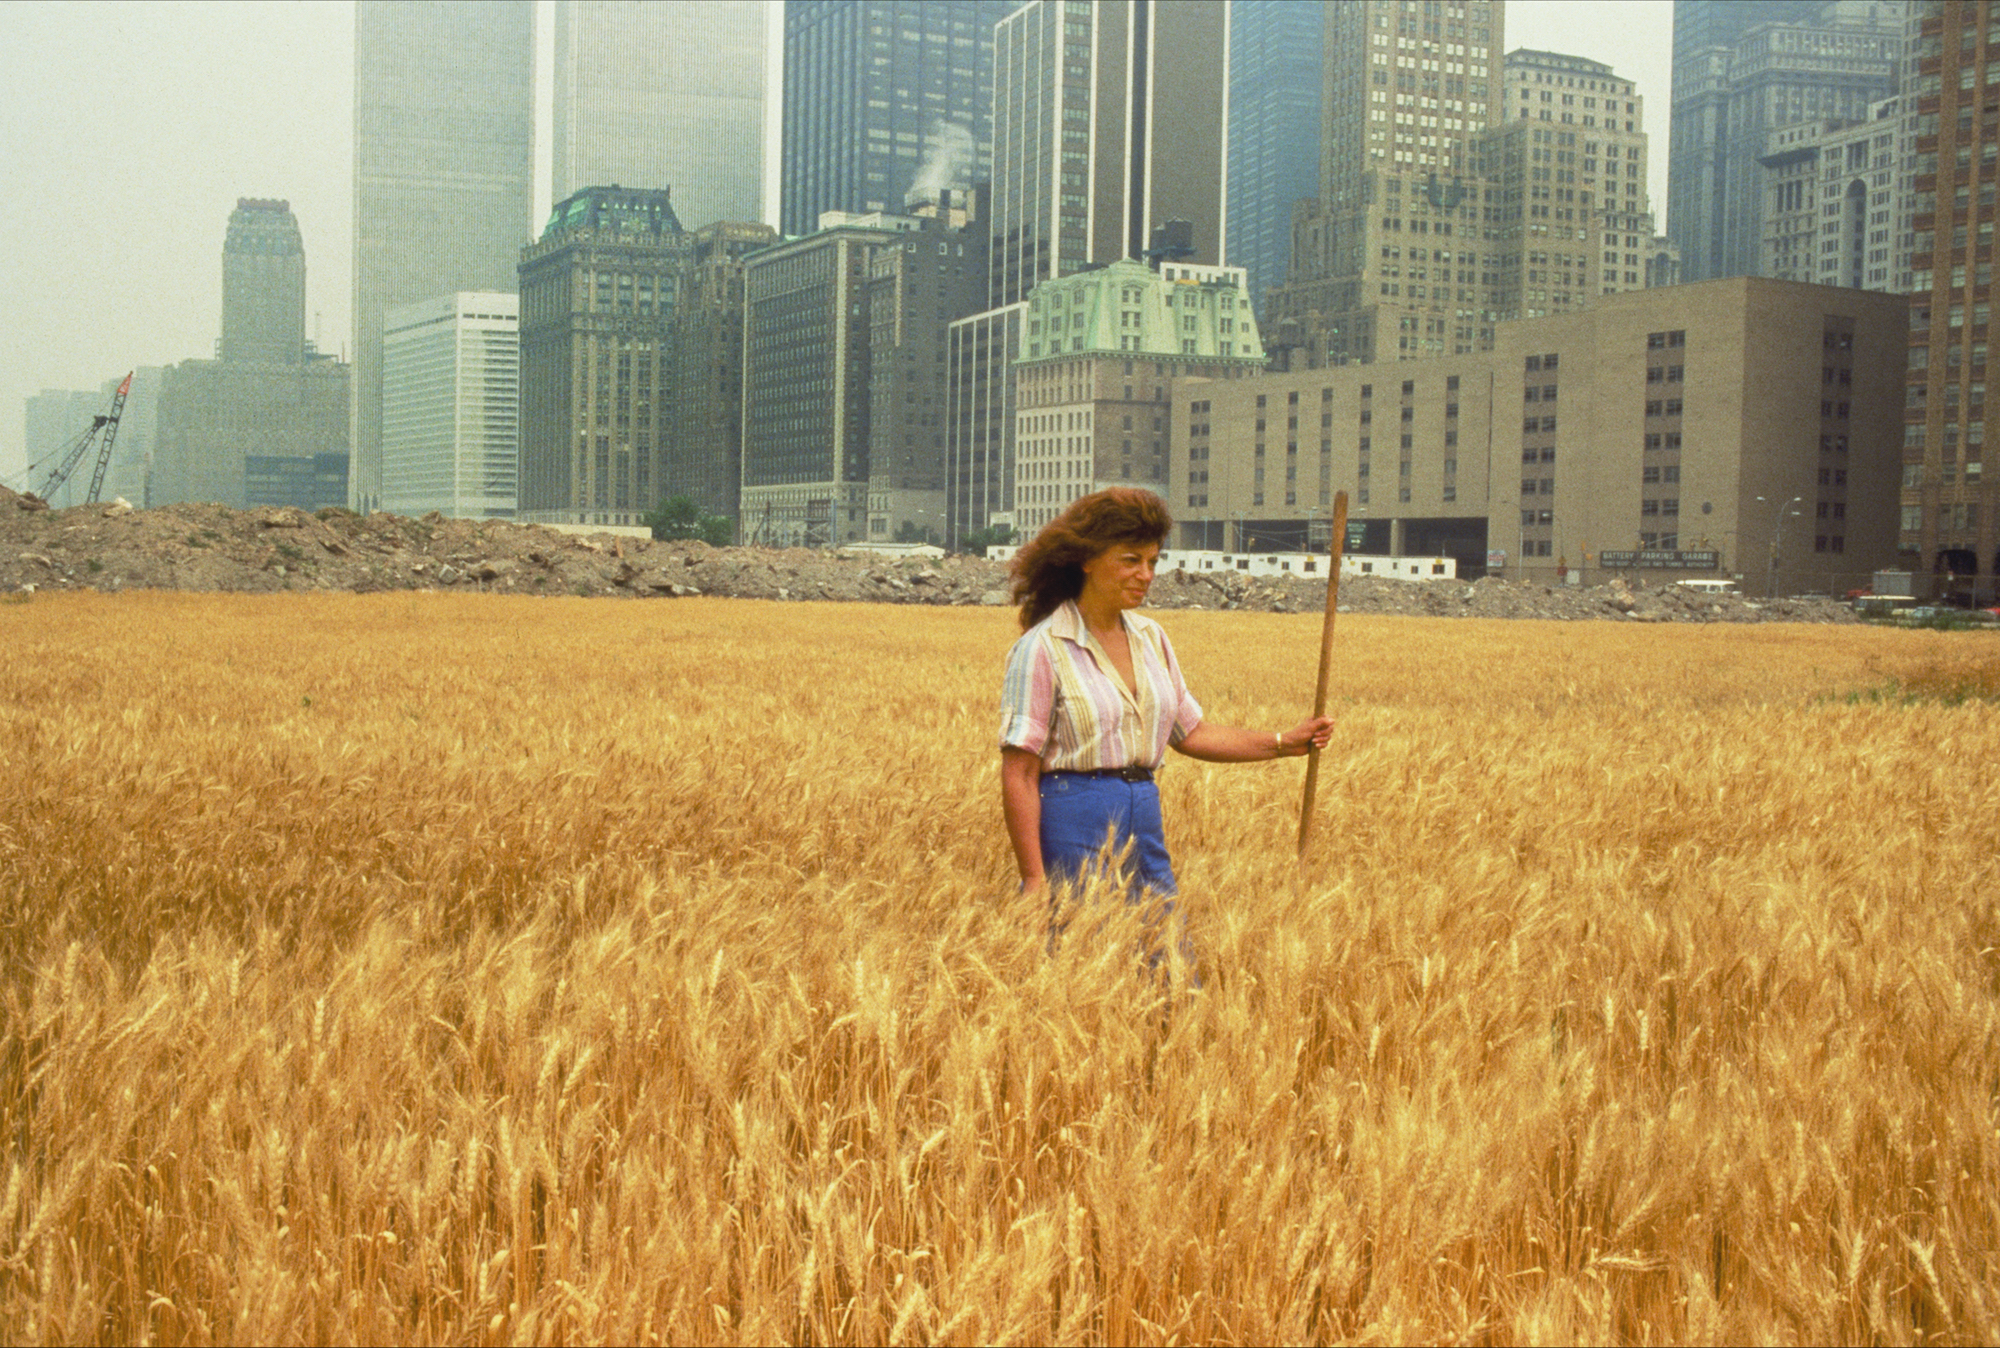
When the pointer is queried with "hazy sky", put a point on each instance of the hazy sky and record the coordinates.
(129, 129)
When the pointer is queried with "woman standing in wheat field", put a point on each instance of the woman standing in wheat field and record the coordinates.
(1093, 700)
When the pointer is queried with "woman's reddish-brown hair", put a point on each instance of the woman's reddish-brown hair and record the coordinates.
(1049, 569)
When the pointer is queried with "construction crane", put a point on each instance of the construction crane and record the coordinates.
(73, 453)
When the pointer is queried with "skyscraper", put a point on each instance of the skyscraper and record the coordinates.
(1275, 56)
(443, 173)
(1107, 121)
(263, 284)
(266, 422)
(1949, 504)
(1742, 72)
(1858, 235)
(883, 96)
(599, 293)
(1407, 95)
(915, 293)
(662, 96)
(451, 383)
(1107, 129)
(1566, 177)
(806, 360)
(1705, 31)
(704, 455)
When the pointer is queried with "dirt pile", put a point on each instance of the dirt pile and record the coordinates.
(205, 547)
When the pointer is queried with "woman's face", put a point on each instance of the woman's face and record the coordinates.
(1121, 574)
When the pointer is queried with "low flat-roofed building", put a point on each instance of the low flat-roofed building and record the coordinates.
(1745, 428)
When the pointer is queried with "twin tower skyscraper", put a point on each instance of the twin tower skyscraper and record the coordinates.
(649, 95)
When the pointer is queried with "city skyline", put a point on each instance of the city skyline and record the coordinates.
(113, 108)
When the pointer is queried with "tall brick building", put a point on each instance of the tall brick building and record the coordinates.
(1948, 499)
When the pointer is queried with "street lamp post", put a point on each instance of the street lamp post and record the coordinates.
(1777, 542)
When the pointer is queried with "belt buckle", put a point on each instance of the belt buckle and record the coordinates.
(1132, 774)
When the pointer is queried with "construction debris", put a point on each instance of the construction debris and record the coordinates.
(278, 548)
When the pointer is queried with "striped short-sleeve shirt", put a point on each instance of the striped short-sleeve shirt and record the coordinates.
(1065, 701)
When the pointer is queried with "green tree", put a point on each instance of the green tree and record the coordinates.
(679, 517)
(909, 531)
(995, 536)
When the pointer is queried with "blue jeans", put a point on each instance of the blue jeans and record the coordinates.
(1086, 822)
(1079, 813)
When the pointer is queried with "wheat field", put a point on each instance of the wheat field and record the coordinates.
(469, 969)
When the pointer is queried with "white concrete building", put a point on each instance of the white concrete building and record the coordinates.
(451, 378)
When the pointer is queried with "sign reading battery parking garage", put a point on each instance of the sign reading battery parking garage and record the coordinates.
(1659, 560)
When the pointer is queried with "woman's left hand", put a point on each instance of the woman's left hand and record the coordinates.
(1312, 733)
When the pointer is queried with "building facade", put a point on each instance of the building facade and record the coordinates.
(916, 290)
(1704, 34)
(451, 403)
(1108, 145)
(267, 421)
(1585, 148)
(1276, 50)
(662, 96)
(1107, 122)
(1742, 73)
(433, 214)
(1098, 354)
(263, 284)
(808, 379)
(885, 99)
(980, 402)
(1947, 526)
(1744, 428)
(600, 291)
(1838, 201)
(704, 455)
(1663, 263)
(1408, 93)
(242, 433)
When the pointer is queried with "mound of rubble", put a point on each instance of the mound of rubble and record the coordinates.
(206, 547)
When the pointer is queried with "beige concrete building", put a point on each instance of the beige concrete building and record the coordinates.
(1571, 157)
(1098, 352)
(1745, 428)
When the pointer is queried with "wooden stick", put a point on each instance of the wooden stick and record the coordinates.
(1325, 663)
